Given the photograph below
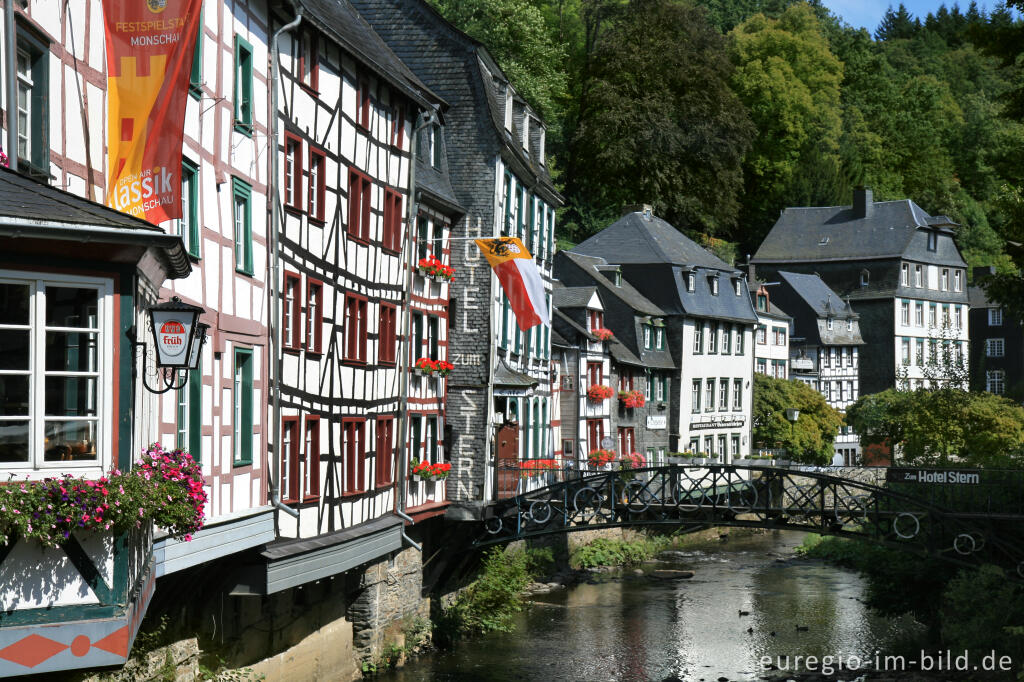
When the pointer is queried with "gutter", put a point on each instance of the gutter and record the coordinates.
(10, 77)
(425, 118)
(275, 304)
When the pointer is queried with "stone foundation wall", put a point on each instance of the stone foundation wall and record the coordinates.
(390, 597)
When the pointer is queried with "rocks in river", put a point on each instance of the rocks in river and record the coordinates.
(638, 571)
(542, 588)
(671, 574)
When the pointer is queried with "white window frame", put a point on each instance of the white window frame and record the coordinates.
(905, 274)
(958, 280)
(995, 348)
(918, 276)
(995, 317)
(36, 466)
(995, 381)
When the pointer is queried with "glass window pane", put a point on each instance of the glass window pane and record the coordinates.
(14, 300)
(13, 395)
(70, 440)
(14, 349)
(71, 307)
(70, 396)
(14, 441)
(71, 352)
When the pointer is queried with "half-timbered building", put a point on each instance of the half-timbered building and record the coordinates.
(498, 170)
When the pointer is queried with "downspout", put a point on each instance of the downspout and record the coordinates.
(425, 118)
(12, 91)
(275, 304)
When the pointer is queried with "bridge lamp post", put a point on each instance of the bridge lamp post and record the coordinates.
(792, 414)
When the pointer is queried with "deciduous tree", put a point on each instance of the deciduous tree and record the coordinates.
(810, 438)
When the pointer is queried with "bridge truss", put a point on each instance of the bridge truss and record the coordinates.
(766, 497)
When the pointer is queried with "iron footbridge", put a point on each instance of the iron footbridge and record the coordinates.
(985, 526)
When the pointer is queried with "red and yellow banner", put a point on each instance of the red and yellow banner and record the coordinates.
(150, 44)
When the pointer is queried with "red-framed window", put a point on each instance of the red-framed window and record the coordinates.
(363, 104)
(310, 464)
(354, 448)
(292, 171)
(317, 183)
(290, 442)
(595, 433)
(387, 334)
(291, 325)
(626, 380)
(397, 126)
(595, 373)
(308, 61)
(595, 320)
(314, 315)
(627, 440)
(359, 186)
(392, 239)
(385, 451)
(355, 328)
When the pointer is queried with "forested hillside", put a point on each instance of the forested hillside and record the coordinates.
(723, 112)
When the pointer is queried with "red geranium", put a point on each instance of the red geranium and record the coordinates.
(600, 457)
(632, 398)
(599, 392)
(602, 334)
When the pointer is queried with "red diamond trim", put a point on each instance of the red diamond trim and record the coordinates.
(116, 642)
(32, 650)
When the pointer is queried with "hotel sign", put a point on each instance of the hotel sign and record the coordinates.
(657, 421)
(724, 423)
(947, 477)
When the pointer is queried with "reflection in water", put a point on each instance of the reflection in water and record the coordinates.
(642, 629)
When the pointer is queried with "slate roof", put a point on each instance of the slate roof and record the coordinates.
(977, 299)
(773, 310)
(821, 299)
(436, 183)
(34, 209)
(572, 297)
(624, 356)
(636, 239)
(506, 376)
(599, 269)
(837, 233)
(567, 321)
(339, 20)
(558, 340)
(456, 67)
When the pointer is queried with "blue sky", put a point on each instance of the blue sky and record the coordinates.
(867, 13)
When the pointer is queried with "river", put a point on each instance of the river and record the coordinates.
(629, 627)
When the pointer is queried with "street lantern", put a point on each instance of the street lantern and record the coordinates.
(792, 414)
(179, 337)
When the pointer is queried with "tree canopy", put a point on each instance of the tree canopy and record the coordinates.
(810, 438)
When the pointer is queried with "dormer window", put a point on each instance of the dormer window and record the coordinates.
(691, 282)
(933, 241)
(526, 131)
(849, 325)
(823, 241)
(828, 324)
(617, 277)
(865, 277)
(762, 303)
(508, 108)
(713, 283)
(595, 320)
(738, 286)
(659, 338)
(648, 337)
(540, 145)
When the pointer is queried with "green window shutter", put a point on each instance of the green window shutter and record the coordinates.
(195, 81)
(190, 211)
(195, 413)
(243, 406)
(507, 231)
(243, 86)
(242, 200)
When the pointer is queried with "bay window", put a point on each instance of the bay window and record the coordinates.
(55, 370)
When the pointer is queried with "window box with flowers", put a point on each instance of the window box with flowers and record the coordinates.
(164, 487)
(600, 458)
(599, 392)
(425, 471)
(602, 334)
(632, 399)
(630, 461)
(536, 468)
(680, 457)
(432, 267)
(426, 366)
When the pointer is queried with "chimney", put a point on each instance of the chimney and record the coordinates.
(751, 277)
(863, 202)
(646, 210)
(982, 272)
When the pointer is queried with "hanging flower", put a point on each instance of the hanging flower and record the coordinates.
(600, 457)
(427, 366)
(599, 392)
(633, 460)
(430, 472)
(433, 267)
(602, 334)
(632, 399)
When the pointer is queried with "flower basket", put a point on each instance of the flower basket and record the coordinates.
(425, 471)
(600, 457)
(602, 334)
(426, 366)
(533, 468)
(628, 462)
(599, 392)
(432, 267)
(164, 487)
(444, 368)
(632, 399)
